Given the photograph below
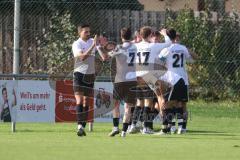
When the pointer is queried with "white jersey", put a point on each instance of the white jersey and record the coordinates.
(125, 56)
(147, 54)
(170, 77)
(88, 65)
(175, 58)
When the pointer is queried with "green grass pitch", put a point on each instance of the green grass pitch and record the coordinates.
(214, 134)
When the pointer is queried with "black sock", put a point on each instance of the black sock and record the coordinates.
(131, 117)
(170, 116)
(150, 125)
(174, 117)
(125, 127)
(146, 116)
(115, 122)
(141, 115)
(164, 121)
(155, 113)
(173, 122)
(79, 111)
(167, 119)
(132, 110)
(85, 116)
(136, 115)
(179, 113)
(185, 118)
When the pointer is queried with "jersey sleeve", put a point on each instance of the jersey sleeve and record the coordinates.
(163, 55)
(115, 52)
(76, 49)
(95, 48)
(167, 43)
(160, 46)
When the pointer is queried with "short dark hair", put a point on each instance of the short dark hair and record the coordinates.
(4, 89)
(156, 33)
(172, 34)
(145, 32)
(126, 33)
(81, 26)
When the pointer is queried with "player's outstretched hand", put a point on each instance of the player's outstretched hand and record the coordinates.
(163, 32)
(95, 40)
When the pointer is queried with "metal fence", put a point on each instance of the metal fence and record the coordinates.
(48, 28)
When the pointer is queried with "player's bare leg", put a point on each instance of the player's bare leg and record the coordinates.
(165, 107)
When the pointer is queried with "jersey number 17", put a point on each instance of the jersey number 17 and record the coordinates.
(140, 55)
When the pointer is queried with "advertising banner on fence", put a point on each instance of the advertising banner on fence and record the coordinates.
(66, 103)
(103, 101)
(35, 102)
(27, 101)
(8, 100)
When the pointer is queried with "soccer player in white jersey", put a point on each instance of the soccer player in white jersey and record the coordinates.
(123, 88)
(175, 58)
(145, 59)
(177, 94)
(84, 74)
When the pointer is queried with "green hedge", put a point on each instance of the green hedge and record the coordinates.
(216, 75)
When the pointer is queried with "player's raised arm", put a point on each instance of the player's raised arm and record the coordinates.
(103, 54)
(107, 51)
(166, 38)
(160, 46)
(78, 53)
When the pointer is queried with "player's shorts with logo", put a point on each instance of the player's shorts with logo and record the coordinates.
(145, 92)
(178, 92)
(83, 83)
(125, 91)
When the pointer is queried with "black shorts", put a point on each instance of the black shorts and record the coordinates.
(83, 83)
(125, 91)
(179, 92)
(145, 92)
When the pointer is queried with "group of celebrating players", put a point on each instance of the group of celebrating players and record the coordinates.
(150, 78)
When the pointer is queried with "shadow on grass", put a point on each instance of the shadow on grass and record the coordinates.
(209, 133)
(43, 131)
(191, 134)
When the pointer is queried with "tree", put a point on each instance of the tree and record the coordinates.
(216, 74)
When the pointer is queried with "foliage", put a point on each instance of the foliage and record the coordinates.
(216, 73)
(57, 43)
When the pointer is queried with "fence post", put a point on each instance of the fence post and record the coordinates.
(90, 126)
(16, 45)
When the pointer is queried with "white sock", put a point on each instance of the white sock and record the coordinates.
(115, 128)
(80, 126)
(133, 125)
